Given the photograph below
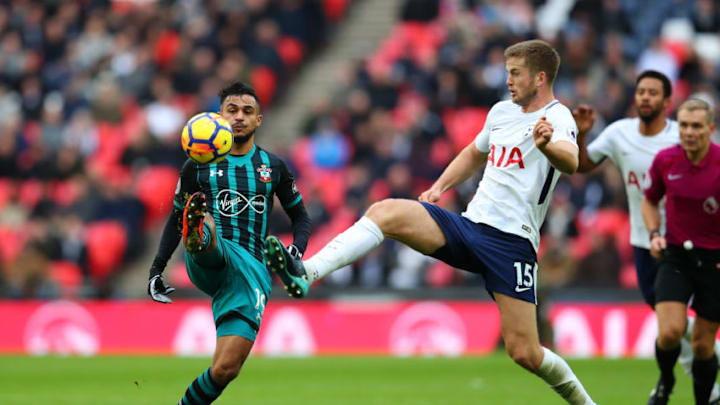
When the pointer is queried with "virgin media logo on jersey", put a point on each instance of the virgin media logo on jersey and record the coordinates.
(503, 158)
(231, 203)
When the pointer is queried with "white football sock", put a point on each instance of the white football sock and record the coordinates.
(344, 249)
(556, 372)
(686, 356)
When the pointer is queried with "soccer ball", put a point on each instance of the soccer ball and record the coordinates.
(207, 138)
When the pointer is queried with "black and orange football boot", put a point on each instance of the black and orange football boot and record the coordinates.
(193, 222)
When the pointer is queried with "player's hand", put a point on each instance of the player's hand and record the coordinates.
(657, 245)
(294, 252)
(159, 291)
(584, 118)
(542, 133)
(430, 195)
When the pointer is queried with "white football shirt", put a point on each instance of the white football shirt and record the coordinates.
(633, 153)
(515, 190)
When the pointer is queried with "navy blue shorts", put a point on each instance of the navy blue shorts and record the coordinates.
(646, 268)
(507, 262)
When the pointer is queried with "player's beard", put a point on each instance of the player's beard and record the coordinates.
(243, 139)
(649, 117)
(525, 101)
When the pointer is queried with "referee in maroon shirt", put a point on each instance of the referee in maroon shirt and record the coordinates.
(688, 175)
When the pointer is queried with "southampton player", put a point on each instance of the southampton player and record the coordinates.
(632, 143)
(224, 209)
(527, 142)
(688, 177)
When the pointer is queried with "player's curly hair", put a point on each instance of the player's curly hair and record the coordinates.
(539, 57)
(237, 89)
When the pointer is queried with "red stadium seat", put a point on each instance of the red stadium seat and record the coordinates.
(265, 83)
(31, 192)
(463, 125)
(291, 51)
(335, 9)
(67, 275)
(13, 243)
(155, 187)
(106, 242)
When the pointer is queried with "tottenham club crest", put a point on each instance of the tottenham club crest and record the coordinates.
(264, 172)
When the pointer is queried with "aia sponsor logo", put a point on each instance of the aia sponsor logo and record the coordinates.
(62, 327)
(506, 157)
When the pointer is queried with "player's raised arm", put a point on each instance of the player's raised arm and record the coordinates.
(460, 169)
(584, 119)
(562, 155)
(157, 289)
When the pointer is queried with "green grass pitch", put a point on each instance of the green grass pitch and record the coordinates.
(494, 379)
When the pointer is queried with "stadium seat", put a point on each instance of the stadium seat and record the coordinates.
(67, 275)
(106, 242)
(291, 51)
(265, 83)
(463, 125)
(13, 243)
(155, 187)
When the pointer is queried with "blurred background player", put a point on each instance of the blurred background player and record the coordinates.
(688, 176)
(226, 206)
(632, 143)
(527, 142)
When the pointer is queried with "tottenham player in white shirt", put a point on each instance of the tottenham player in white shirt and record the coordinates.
(632, 143)
(526, 143)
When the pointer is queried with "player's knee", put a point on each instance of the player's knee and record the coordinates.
(523, 355)
(225, 372)
(703, 348)
(670, 335)
(386, 215)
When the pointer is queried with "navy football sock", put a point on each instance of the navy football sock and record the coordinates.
(204, 390)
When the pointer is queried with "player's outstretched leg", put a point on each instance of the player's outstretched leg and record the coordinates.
(290, 270)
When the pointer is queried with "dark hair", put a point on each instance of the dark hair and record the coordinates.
(539, 57)
(654, 74)
(237, 89)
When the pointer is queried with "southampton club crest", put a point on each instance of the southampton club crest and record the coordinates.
(264, 172)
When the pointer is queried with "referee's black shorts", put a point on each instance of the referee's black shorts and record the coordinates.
(683, 274)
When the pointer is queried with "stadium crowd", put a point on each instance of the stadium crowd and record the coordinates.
(92, 96)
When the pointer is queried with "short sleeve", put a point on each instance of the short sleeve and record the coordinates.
(603, 146)
(564, 127)
(482, 140)
(287, 191)
(656, 190)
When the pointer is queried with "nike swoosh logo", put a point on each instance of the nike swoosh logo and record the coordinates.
(674, 176)
(521, 289)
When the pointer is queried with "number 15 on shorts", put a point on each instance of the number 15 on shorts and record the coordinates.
(526, 274)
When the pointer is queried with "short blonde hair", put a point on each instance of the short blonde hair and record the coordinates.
(693, 104)
(539, 57)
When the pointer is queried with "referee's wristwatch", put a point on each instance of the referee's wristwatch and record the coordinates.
(653, 233)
